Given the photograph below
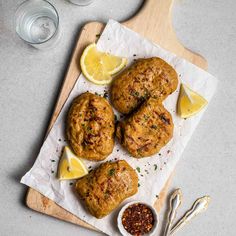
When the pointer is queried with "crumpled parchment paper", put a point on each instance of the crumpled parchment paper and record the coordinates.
(155, 170)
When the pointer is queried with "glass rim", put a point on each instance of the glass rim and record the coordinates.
(57, 27)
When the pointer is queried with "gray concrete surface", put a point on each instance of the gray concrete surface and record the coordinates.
(30, 82)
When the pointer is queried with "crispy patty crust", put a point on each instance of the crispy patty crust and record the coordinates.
(104, 188)
(147, 130)
(151, 77)
(90, 127)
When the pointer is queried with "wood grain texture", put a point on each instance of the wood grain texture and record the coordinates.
(153, 21)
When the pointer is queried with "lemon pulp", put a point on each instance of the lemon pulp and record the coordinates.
(71, 166)
(189, 102)
(98, 67)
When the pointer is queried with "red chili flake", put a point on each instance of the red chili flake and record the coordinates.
(138, 219)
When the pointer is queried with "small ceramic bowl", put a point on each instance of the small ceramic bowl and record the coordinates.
(154, 212)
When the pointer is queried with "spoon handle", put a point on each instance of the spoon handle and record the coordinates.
(175, 202)
(199, 206)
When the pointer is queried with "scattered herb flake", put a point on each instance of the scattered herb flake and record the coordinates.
(98, 35)
(139, 152)
(111, 172)
(145, 117)
(135, 93)
(52, 171)
(155, 166)
(71, 184)
(138, 169)
(52, 160)
(138, 184)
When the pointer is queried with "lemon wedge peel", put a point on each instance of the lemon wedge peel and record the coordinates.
(189, 102)
(70, 166)
(98, 67)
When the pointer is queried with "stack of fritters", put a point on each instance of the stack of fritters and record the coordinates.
(139, 92)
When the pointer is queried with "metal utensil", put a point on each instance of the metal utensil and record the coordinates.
(199, 206)
(175, 202)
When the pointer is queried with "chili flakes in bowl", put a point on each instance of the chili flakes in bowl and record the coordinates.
(137, 219)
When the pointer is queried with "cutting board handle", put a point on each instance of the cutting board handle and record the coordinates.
(152, 12)
(155, 19)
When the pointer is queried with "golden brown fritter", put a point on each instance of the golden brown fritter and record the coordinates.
(147, 130)
(104, 188)
(90, 127)
(151, 77)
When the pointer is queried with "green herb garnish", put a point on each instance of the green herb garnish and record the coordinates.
(135, 93)
(155, 166)
(138, 169)
(89, 129)
(111, 172)
(145, 117)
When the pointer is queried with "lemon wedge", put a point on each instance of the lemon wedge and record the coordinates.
(189, 102)
(98, 67)
(70, 166)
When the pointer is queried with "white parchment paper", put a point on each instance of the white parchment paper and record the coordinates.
(155, 170)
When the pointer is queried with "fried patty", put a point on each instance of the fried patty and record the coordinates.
(104, 188)
(90, 127)
(147, 130)
(152, 77)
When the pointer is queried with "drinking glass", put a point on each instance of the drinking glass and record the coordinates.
(37, 23)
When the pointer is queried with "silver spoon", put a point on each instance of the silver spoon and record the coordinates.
(199, 206)
(175, 202)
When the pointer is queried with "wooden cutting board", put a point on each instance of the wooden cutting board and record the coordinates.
(152, 21)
